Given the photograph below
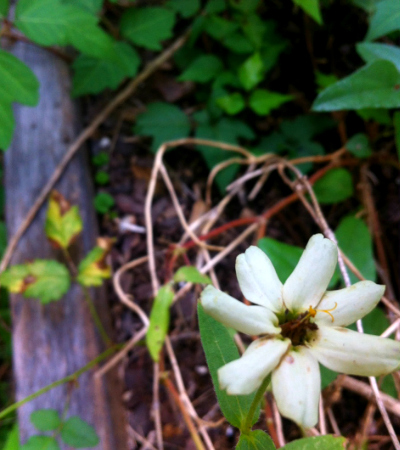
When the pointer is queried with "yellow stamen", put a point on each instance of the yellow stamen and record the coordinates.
(313, 312)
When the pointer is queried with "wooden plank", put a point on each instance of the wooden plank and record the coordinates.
(54, 340)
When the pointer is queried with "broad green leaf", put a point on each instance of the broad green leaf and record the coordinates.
(385, 20)
(238, 43)
(371, 51)
(103, 202)
(4, 5)
(251, 72)
(219, 28)
(311, 7)
(358, 145)
(284, 257)
(376, 85)
(102, 177)
(324, 80)
(92, 6)
(327, 442)
(93, 269)
(374, 322)
(232, 103)
(191, 274)
(262, 102)
(46, 280)
(202, 70)
(255, 440)
(355, 240)
(159, 321)
(18, 84)
(46, 419)
(63, 221)
(51, 22)
(255, 28)
(163, 122)
(92, 75)
(245, 6)
(147, 27)
(12, 440)
(379, 115)
(369, 6)
(335, 186)
(327, 376)
(184, 8)
(396, 123)
(215, 6)
(41, 443)
(78, 433)
(220, 349)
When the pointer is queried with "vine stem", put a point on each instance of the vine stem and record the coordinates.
(64, 380)
(96, 319)
(254, 405)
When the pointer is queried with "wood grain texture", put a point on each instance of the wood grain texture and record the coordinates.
(54, 340)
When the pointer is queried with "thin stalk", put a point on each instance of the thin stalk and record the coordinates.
(96, 319)
(254, 405)
(66, 379)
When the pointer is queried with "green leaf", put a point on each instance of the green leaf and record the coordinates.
(335, 186)
(92, 75)
(101, 159)
(220, 349)
(63, 222)
(360, 250)
(238, 43)
(245, 6)
(46, 280)
(327, 442)
(374, 323)
(232, 103)
(103, 202)
(12, 440)
(78, 433)
(327, 376)
(396, 123)
(93, 269)
(371, 51)
(324, 80)
(215, 6)
(311, 7)
(262, 102)
(18, 84)
(379, 115)
(147, 27)
(255, 28)
(190, 274)
(202, 70)
(251, 72)
(46, 419)
(255, 440)
(102, 177)
(376, 85)
(184, 8)
(163, 122)
(92, 6)
(284, 257)
(51, 22)
(159, 321)
(41, 443)
(4, 5)
(385, 20)
(358, 145)
(219, 28)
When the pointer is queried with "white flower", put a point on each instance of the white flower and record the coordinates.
(300, 325)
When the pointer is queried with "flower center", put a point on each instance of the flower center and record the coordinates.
(298, 329)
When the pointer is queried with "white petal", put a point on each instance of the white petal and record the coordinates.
(254, 320)
(352, 303)
(258, 279)
(347, 351)
(245, 375)
(309, 280)
(296, 384)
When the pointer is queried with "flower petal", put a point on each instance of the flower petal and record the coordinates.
(309, 280)
(244, 375)
(347, 351)
(296, 384)
(254, 320)
(352, 303)
(258, 279)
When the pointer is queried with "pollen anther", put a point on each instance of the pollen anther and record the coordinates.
(313, 312)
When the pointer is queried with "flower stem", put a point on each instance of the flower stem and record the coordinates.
(254, 405)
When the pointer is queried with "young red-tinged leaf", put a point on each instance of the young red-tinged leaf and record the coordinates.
(190, 274)
(93, 269)
(159, 321)
(63, 221)
(42, 279)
